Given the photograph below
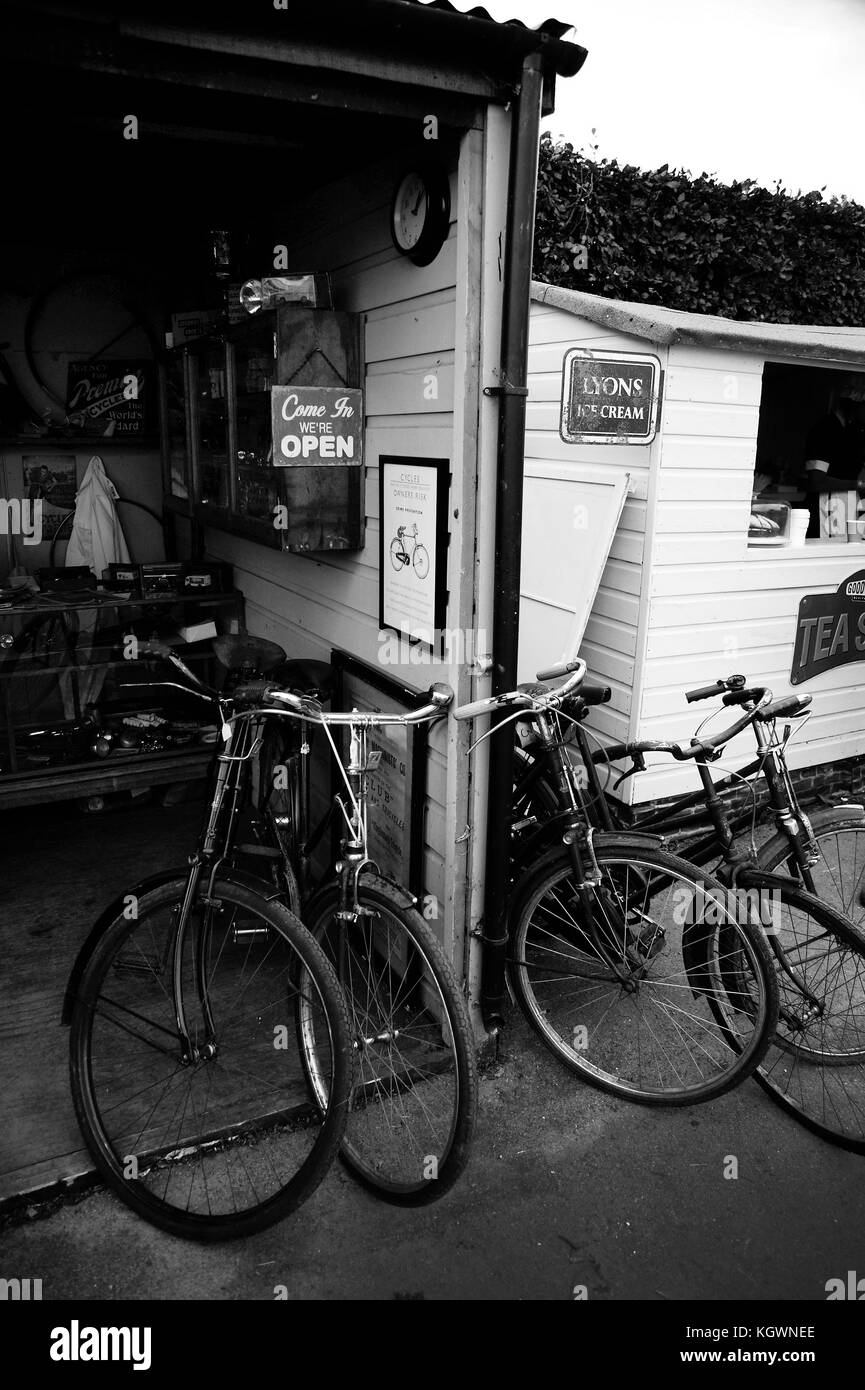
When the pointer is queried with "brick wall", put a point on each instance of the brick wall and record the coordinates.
(833, 782)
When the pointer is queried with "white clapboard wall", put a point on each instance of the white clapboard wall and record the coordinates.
(411, 333)
(683, 600)
(612, 630)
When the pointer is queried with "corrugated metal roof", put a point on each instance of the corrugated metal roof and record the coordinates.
(500, 12)
(661, 325)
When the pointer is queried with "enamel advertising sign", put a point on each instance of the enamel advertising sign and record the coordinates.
(608, 398)
(830, 630)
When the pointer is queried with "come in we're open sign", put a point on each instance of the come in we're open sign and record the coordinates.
(316, 425)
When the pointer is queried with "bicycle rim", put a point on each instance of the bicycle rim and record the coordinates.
(815, 1065)
(413, 1108)
(224, 1146)
(695, 1011)
(838, 877)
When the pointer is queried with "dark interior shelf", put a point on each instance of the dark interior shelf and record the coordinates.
(80, 441)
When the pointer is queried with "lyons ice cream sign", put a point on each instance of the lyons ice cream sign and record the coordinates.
(608, 398)
(316, 425)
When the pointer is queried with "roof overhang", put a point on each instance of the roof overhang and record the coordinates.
(657, 324)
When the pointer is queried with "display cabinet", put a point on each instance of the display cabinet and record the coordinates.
(218, 445)
(79, 719)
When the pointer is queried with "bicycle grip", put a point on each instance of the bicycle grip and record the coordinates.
(595, 694)
(256, 692)
(789, 704)
(704, 692)
(742, 697)
(485, 706)
(552, 672)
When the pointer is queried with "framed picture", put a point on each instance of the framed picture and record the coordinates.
(111, 396)
(53, 480)
(413, 538)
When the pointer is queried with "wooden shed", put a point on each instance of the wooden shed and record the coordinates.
(684, 596)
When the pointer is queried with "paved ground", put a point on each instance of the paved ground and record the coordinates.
(567, 1187)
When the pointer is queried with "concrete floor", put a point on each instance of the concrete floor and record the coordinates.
(567, 1188)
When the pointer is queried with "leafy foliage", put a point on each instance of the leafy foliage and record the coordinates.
(667, 237)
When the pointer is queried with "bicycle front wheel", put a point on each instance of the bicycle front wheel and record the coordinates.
(413, 1109)
(838, 877)
(647, 984)
(815, 1066)
(230, 1142)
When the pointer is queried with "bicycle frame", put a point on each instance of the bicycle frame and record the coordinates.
(708, 836)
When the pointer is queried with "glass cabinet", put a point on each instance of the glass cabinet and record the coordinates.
(217, 432)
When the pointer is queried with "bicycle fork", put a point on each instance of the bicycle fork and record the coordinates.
(206, 858)
(577, 837)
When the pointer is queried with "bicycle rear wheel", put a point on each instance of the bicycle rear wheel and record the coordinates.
(231, 1143)
(666, 998)
(413, 1109)
(815, 1065)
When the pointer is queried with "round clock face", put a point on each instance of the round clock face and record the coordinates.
(410, 211)
(420, 213)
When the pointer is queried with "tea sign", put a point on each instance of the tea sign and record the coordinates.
(316, 426)
(830, 630)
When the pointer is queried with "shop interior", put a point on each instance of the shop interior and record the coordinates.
(102, 784)
(794, 399)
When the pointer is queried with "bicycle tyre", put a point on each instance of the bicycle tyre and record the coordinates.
(190, 1148)
(380, 1147)
(397, 554)
(597, 1029)
(839, 877)
(420, 561)
(814, 1068)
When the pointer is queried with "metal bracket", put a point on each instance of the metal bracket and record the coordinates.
(507, 390)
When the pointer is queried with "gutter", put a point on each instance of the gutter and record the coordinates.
(511, 392)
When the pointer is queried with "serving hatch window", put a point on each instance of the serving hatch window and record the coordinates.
(810, 459)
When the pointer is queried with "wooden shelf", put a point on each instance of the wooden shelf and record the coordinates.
(80, 441)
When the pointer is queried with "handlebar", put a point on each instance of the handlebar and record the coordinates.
(707, 692)
(436, 701)
(529, 699)
(793, 705)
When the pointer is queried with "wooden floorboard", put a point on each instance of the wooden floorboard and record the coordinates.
(58, 868)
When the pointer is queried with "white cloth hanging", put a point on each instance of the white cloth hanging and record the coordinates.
(97, 538)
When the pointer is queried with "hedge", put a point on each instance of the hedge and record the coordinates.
(667, 237)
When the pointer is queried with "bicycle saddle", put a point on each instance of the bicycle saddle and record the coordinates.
(242, 649)
(306, 677)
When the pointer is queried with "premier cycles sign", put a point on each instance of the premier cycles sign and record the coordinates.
(608, 398)
(830, 630)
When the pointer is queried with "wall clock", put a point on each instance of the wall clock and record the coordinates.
(420, 212)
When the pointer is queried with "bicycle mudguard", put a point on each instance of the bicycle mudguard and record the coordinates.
(146, 885)
(546, 840)
(407, 898)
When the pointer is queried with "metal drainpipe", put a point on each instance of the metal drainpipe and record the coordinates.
(512, 392)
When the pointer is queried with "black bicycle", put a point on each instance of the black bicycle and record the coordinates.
(200, 1008)
(628, 961)
(815, 1065)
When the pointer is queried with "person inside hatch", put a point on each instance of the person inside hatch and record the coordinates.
(835, 450)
